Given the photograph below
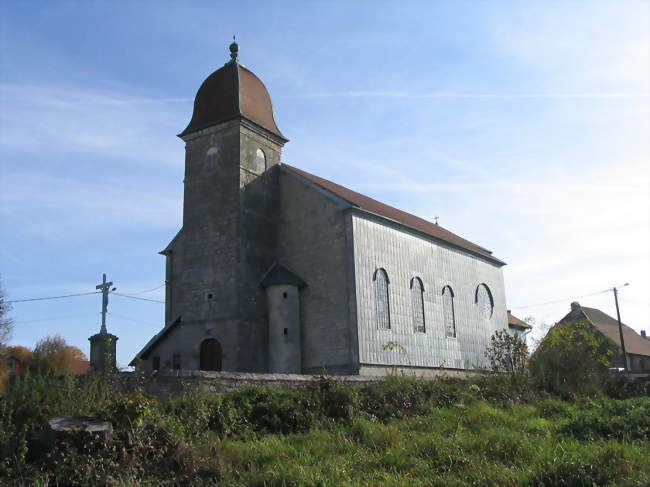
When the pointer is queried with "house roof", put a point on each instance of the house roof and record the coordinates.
(230, 92)
(279, 274)
(516, 322)
(378, 208)
(608, 326)
(80, 367)
(144, 353)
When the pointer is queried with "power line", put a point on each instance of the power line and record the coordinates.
(53, 297)
(145, 291)
(20, 322)
(136, 297)
(561, 300)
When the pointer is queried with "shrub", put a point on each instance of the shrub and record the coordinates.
(507, 353)
(128, 409)
(607, 418)
(571, 359)
(263, 410)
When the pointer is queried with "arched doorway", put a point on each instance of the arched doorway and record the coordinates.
(211, 355)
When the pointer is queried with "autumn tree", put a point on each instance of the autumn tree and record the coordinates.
(572, 357)
(53, 354)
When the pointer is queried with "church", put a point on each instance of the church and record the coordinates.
(276, 270)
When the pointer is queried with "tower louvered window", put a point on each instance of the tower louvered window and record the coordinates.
(484, 302)
(417, 304)
(382, 303)
(448, 311)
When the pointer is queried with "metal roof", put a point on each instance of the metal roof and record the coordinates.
(230, 92)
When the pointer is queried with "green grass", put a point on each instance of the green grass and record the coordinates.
(479, 444)
(399, 433)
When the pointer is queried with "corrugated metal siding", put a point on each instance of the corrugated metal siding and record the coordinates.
(405, 255)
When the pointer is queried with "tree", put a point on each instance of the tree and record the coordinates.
(507, 353)
(573, 357)
(53, 354)
(6, 323)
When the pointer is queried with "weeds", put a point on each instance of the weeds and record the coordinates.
(402, 431)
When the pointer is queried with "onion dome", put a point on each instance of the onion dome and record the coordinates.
(230, 92)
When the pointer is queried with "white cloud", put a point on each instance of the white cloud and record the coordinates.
(48, 206)
(41, 120)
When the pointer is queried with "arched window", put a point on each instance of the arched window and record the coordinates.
(211, 355)
(382, 303)
(484, 302)
(448, 311)
(260, 161)
(417, 304)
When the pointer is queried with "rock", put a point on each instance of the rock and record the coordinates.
(81, 424)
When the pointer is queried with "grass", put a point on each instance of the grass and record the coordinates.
(478, 444)
(399, 433)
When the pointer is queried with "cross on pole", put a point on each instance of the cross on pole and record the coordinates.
(104, 287)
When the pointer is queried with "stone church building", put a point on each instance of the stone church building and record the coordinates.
(278, 270)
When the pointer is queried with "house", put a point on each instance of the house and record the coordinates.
(279, 270)
(637, 347)
(518, 327)
(19, 361)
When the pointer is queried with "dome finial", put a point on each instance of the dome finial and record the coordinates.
(234, 50)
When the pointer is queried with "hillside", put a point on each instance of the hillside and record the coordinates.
(400, 432)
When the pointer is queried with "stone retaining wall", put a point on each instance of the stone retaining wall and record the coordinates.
(164, 384)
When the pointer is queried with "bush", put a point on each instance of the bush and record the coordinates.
(571, 359)
(507, 353)
(606, 418)
(263, 410)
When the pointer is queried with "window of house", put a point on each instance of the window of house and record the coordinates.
(417, 304)
(382, 303)
(176, 361)
(483, 299)
(155, 363)
(448, 311)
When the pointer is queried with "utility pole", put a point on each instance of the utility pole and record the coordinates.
(620, 328)
(104, 287)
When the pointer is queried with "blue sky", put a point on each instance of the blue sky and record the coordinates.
(522, 125)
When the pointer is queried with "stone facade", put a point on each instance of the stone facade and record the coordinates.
(314, 245)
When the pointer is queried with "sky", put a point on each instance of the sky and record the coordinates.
(523, 126)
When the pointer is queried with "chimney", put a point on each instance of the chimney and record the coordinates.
(575, 309)
(643, 334)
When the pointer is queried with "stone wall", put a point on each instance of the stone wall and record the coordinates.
(167, 383)
(312, 243)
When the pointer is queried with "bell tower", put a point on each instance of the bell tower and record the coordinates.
(230, 207)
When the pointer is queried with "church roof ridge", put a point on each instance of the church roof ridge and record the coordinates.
(376, 207)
